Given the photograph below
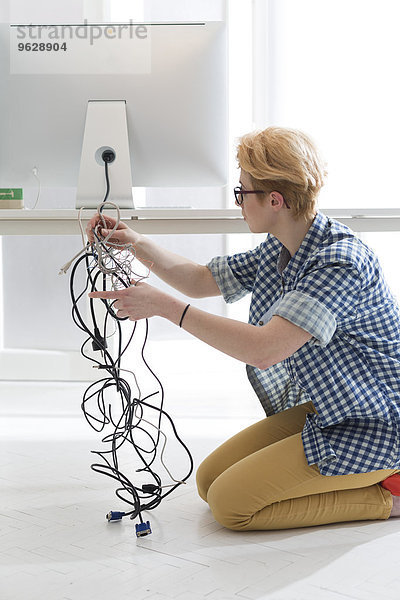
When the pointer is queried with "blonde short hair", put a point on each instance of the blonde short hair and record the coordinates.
(285, 161)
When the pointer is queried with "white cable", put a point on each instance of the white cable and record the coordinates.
(35, 173)
(136, 383)
(163, 448)
(97, 243)
(81, 227)
(67, 265)
(112, 258)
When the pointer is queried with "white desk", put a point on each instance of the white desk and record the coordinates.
(176, 221)
(60, 366)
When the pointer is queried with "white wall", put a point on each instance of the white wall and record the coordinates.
(44, 11)
(176, 10)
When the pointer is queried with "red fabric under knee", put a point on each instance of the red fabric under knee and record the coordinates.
(392, 484)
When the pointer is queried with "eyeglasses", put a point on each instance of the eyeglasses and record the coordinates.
(240, 193)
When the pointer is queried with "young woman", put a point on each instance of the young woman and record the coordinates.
(322, 349)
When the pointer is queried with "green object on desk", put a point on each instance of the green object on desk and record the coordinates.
(11, 194)
(11, 198)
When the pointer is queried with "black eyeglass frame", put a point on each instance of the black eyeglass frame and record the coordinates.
(239, 195)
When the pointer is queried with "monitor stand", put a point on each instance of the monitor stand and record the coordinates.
(105, 129)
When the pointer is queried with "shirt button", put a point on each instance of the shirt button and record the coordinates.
(261, 322)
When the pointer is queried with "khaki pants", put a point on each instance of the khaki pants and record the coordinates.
(260, 479)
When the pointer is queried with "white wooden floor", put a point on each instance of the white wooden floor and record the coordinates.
(56, 544)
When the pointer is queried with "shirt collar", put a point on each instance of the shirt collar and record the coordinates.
(313, 239)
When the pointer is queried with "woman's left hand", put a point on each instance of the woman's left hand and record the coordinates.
(140, 301)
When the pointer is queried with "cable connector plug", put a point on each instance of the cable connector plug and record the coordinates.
(114, 516)
(98, 343)
(150, 488)
(143, 529)
(63, 270)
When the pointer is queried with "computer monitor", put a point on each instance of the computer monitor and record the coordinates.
(169, 79)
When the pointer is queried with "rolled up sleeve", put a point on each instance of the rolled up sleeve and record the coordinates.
(309, 314)
(324, 299)
(231, 288)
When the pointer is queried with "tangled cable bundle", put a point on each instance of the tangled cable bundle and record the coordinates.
(115, 405)
(113, 258)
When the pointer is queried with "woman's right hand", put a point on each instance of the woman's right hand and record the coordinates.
(122, 235)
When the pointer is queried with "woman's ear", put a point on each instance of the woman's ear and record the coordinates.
(276, 199)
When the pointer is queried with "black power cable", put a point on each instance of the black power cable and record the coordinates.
(125, 414)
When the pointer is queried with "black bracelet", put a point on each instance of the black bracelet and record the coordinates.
(183, 315)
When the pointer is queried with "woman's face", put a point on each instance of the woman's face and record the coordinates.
(254, 207)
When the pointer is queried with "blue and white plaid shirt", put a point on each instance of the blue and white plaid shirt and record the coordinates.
(333, 287)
